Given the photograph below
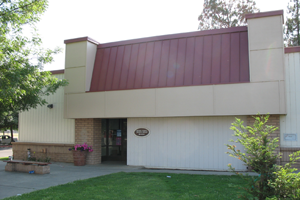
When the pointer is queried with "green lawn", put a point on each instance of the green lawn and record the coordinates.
(4, 158)
(144, 186)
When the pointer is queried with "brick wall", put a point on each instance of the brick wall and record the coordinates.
(273, 120)
(89, 131)
(86, 131)
(57, 152)
(285, 152)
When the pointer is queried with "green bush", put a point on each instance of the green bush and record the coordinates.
(273, 181)
(258, 155)
(287, 183)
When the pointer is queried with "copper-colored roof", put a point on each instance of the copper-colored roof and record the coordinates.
(187, 59)
(60, 71)
(265, 14)
(292, 49)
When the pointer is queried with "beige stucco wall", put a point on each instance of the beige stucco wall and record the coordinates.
(79, 64)
(266, 49)
(213, 100)
(265, 93)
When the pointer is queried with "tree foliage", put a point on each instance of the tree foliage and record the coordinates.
(23, 84)
(287, 182)
(292, 27)
(273, 181)
(259, 154)
(218, 14)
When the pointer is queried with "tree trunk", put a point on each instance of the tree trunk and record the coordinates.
(11, 134)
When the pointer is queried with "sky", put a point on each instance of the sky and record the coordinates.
(115, 20)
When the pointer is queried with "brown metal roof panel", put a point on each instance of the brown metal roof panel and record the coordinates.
(189, 61)
(147, 73)
(265, 14)
(60, 71)
(111, 68)
(97, 69)
(207, 58)
(103, 70)
(132, 66)
(244, 58)
(163, 76)
(235, 58)
(180, 68)
(155, 64)
(225, 57)
(172, 63)
(291, 49)
(216, 59)
(125, 67)
(140, 66)
(198, 60)
(118, 69)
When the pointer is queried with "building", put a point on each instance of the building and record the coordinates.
(169, 101)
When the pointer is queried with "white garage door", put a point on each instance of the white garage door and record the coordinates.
(182, 143)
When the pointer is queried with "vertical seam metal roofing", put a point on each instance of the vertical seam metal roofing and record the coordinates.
(197, 58)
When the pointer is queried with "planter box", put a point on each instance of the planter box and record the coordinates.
(79, 158)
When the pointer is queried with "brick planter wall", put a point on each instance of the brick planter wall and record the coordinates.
(89, 131)
(57, 152)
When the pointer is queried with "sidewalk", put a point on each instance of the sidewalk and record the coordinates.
(5, 151)
(13, 183)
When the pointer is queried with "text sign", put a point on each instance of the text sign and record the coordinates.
(290, 137)
(141, 132)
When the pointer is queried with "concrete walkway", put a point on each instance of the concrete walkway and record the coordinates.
(5, 151)
(14, 183)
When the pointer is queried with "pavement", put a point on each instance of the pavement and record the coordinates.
(5, 151)
(18, 183)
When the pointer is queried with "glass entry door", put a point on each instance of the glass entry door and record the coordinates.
(114, 139)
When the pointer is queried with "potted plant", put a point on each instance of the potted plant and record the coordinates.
(79, 153)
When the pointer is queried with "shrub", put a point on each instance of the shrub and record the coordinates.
(287, 183)
(259, 155)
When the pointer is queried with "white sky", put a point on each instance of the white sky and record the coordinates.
(116, 20)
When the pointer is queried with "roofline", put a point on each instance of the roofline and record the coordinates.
(292, 49)
(265, 14)
(60, 71)
(81, 39)
(174, 36)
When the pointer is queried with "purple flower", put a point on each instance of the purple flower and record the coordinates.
(82, 147)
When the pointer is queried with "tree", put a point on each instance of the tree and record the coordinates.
(10, 123)
(23, 84)
(292, 27)
(218, 14)
(259, 154)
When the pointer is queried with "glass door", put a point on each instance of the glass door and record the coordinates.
(114, 139)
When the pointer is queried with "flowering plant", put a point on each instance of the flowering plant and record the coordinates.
(81, 147)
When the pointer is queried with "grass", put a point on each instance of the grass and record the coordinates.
(4, 158)
(143, 186)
